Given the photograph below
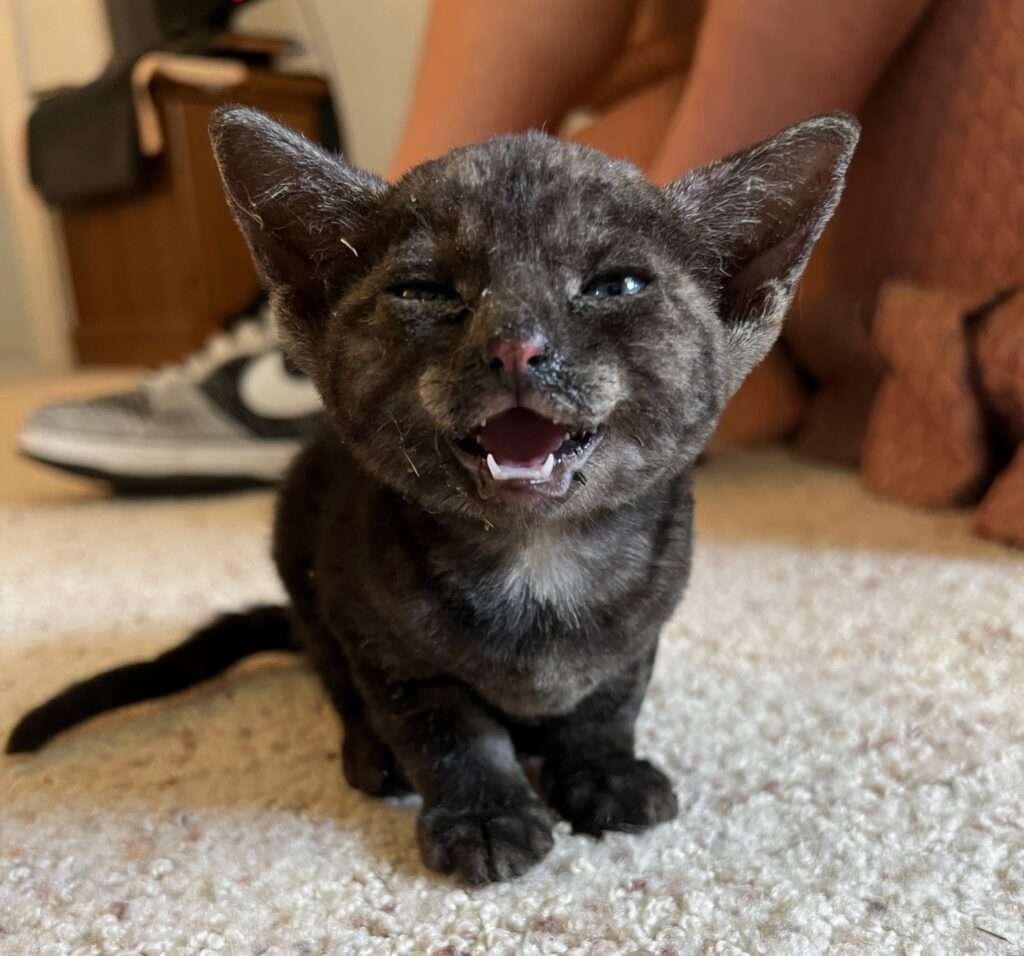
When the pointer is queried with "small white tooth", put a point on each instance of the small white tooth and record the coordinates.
(516, 473)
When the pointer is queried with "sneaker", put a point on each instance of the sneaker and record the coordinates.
(232, 415)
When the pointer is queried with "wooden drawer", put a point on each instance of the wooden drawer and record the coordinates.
(155, 272)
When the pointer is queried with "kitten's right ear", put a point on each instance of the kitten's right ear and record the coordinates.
(300, 208)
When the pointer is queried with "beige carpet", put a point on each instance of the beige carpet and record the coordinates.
(840, 700)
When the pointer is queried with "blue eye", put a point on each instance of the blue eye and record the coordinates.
(424, 291)
(613, 285)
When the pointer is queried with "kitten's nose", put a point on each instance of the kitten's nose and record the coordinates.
(515, 357)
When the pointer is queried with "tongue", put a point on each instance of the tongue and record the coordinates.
(521, 438)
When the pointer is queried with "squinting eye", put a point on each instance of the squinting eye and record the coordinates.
(424, 291)
(610, 286)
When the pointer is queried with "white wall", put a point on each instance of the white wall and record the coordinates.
(16, 342)
(63, 42)
(34, 304)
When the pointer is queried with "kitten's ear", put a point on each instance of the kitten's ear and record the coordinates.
(300, 208)
(759, 213)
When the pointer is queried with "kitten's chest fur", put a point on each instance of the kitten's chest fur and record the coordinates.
(562, 607)
(546, 568)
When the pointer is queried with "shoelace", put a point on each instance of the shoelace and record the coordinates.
(248, 337)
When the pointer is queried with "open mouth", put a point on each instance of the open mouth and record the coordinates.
(520, 448)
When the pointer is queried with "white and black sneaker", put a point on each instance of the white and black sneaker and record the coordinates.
(232, 415)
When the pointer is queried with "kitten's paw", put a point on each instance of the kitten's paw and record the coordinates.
(370, 766)
(485, 844)
(619, 793)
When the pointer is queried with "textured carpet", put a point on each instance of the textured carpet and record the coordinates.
(840, 701)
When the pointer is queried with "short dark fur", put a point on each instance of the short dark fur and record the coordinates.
(454, 621)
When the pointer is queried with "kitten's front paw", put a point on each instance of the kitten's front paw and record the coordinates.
(619, 793)
(485, 844)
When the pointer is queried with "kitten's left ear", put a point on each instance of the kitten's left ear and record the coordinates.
(758, 214)
(301, 210)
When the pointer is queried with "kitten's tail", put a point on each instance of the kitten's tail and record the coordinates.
(209, 651)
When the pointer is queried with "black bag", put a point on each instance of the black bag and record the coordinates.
(83, 142)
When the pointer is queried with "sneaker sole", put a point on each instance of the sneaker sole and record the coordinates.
(162, 466)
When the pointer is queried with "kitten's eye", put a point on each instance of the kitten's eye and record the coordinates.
(422, 290)
(611, 285)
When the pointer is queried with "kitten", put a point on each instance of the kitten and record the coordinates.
(522, 348)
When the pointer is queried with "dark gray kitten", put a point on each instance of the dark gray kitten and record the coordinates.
(522, 348)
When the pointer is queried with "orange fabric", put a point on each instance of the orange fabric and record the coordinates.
(926, 441)
(935, 196)
(1001, 512)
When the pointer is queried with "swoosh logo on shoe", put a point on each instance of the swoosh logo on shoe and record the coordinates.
(270, 392)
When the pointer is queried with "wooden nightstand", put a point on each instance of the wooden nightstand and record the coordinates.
(156, 271)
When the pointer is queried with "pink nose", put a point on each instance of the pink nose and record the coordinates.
(515, 356)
